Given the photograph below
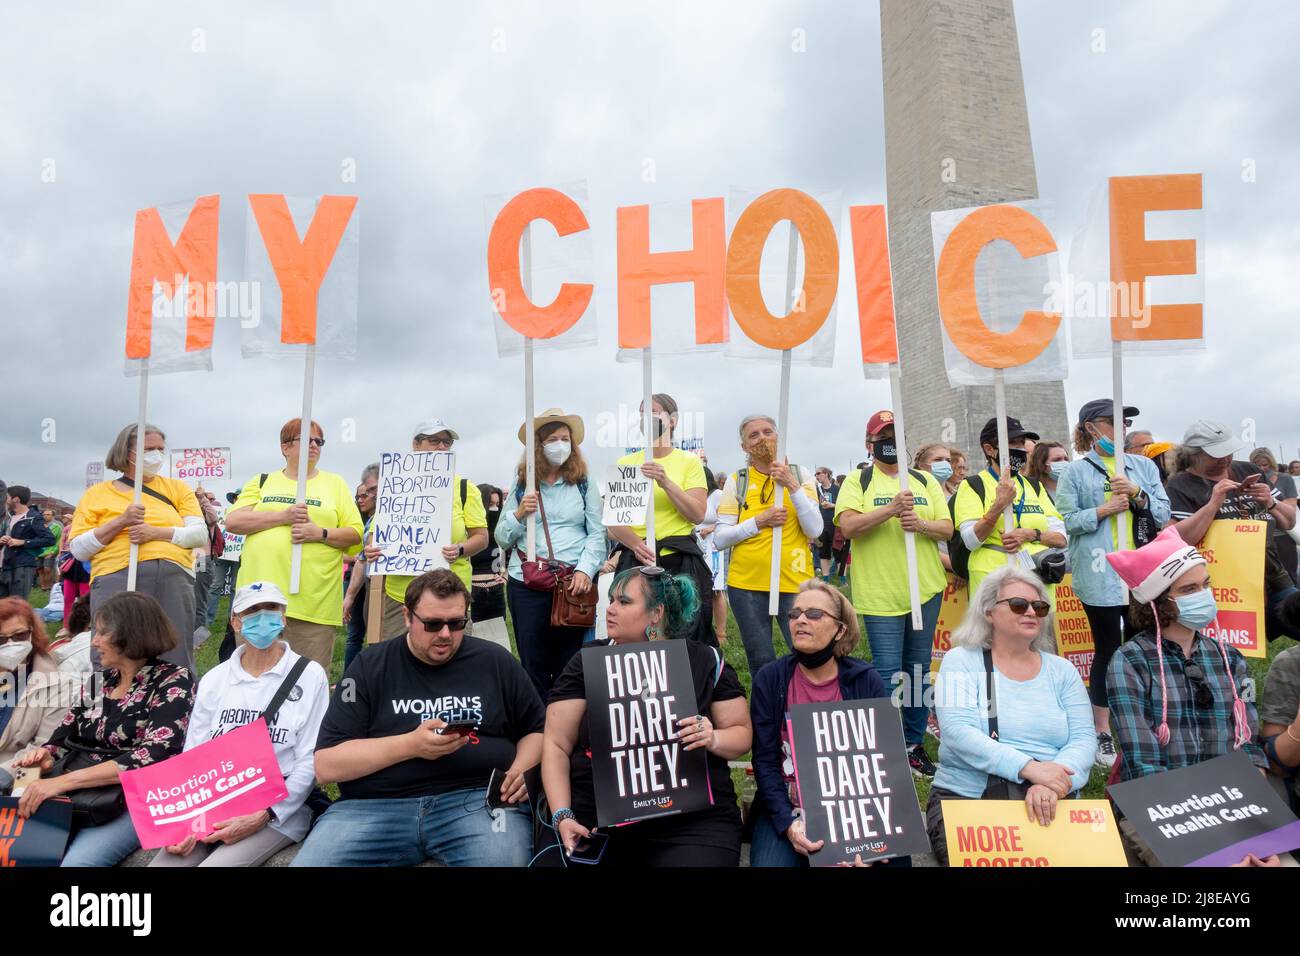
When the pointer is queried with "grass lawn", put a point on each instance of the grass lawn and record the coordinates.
(733, 651)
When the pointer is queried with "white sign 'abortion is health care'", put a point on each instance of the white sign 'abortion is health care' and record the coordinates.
(413, 511)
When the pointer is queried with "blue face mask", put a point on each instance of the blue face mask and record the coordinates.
(261, 629)
(1057, 469)
(1106, 446)
(1196, 610)
(941, 470)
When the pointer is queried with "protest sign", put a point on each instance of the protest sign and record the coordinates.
(234, 546)
(999, 833)
(627, 496)
(40, 839)
(94, 473)
(197, 465)
(636, 693)
(1234, 553)
(1209, 814)
(1073, 632)
(187, 795)
(956, 598)
(413, 511)
(849, 759)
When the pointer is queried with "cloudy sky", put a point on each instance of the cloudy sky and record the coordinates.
(109, 109)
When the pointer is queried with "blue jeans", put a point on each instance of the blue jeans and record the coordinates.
(355, 625)
(755, 624)
(771, 849)
(106, 845)
(453, 828)
(221, 583)
(898, 649)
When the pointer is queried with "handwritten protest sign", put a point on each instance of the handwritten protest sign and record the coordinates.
(627, 496)
(999, 833)
(855, 786)
(1209, 814)
(1073, 632)
(197, 465)
(635, 696)
(189, 794)
(234, 546)
(1234, 552)
(956, 598)
(413, 511)
(40, 839)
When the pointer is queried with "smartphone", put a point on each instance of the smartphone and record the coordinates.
(461, 728)
(495, 798)
(589, 849)
(22, 777)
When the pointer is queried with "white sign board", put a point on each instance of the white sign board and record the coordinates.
(234, 546)
(627, 496)
(195, 466)
(413, 506)
(94, 473)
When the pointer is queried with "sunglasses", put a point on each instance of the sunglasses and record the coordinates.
(1019, 605)
(812, 613)
(1201, 687)
(435, 625)
(651, 570)
(318, 442)
(16, 636)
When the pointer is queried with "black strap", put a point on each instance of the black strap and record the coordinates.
(146, 490)
(992, 704)
(282, 692)
(464, 492)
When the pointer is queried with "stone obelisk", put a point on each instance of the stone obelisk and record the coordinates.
(956, 135)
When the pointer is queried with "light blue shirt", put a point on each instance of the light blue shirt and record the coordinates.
(1081, 490)
(1046, 718)
(576, 529)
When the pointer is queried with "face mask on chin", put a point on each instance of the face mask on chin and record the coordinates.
(815, 659)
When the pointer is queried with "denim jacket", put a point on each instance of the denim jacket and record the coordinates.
(1079, 493)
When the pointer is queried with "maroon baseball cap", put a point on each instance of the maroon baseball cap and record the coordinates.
(879, 422)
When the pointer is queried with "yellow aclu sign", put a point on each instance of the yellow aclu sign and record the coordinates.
(999, 833)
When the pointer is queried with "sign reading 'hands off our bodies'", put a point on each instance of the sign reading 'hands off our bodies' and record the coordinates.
(413, 511)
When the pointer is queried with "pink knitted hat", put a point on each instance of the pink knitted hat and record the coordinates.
(1151, 569)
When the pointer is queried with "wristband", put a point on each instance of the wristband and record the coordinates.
(324, 534)
(564, 813)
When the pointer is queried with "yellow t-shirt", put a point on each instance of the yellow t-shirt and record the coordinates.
(463, 520)
(879, 568)
(1109, 464)
(1030, 509)
(267, 554)
(750, 564)
(104, 501)
(687, 472)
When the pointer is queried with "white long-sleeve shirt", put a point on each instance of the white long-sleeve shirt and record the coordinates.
(228, 698)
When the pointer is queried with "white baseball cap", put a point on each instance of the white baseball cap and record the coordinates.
(259, 592)
(1214, 439)
(431, 426)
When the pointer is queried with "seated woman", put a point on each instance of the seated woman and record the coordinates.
(237, 692)
(648, 604)
(1034, 739)
(34, 696)
(135, 716)
(1176, 697)
(824, 630)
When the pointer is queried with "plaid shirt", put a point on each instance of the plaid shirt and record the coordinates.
(1195, 733)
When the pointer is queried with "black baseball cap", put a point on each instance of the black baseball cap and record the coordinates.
(989, 433)
(1102, 408)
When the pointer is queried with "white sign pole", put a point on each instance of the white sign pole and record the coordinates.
(133, 561)
(904, 479)
(782, 421)
(1117, 416)
(647, 425)
(1004, 455)
(304, 443)
(530, 437)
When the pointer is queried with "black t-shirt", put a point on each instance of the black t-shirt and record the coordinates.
(389, 691)
(719, 825)
(1189, 493)
(481, 563)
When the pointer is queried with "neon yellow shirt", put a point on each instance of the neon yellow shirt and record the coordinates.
(1030, 509)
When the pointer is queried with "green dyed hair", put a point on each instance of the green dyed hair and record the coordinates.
(676, 594)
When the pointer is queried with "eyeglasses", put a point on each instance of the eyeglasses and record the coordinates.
(435, 625)
(1019, 605)
(25, 635)
(1204, 697)
(812, 613)
(365, 494)
(318, 442)
(431, 440)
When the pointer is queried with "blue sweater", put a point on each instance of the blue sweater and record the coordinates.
(858, 681)
(1046, 718)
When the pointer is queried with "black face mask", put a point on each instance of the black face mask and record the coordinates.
(1017, 459)
(817, 658)
(885, 451)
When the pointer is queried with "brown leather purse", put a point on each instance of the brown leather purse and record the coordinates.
(567, 609)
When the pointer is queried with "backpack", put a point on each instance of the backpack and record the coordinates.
(958, 553)
(742, 486)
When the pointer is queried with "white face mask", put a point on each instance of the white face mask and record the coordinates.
(153, 462)
(557, 452)
(13, 654)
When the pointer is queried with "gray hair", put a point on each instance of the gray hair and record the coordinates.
(976, 630)
(119, 454)
(370, 471)
(755, 418)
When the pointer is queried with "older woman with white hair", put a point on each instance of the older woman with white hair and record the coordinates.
(1015, 719)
